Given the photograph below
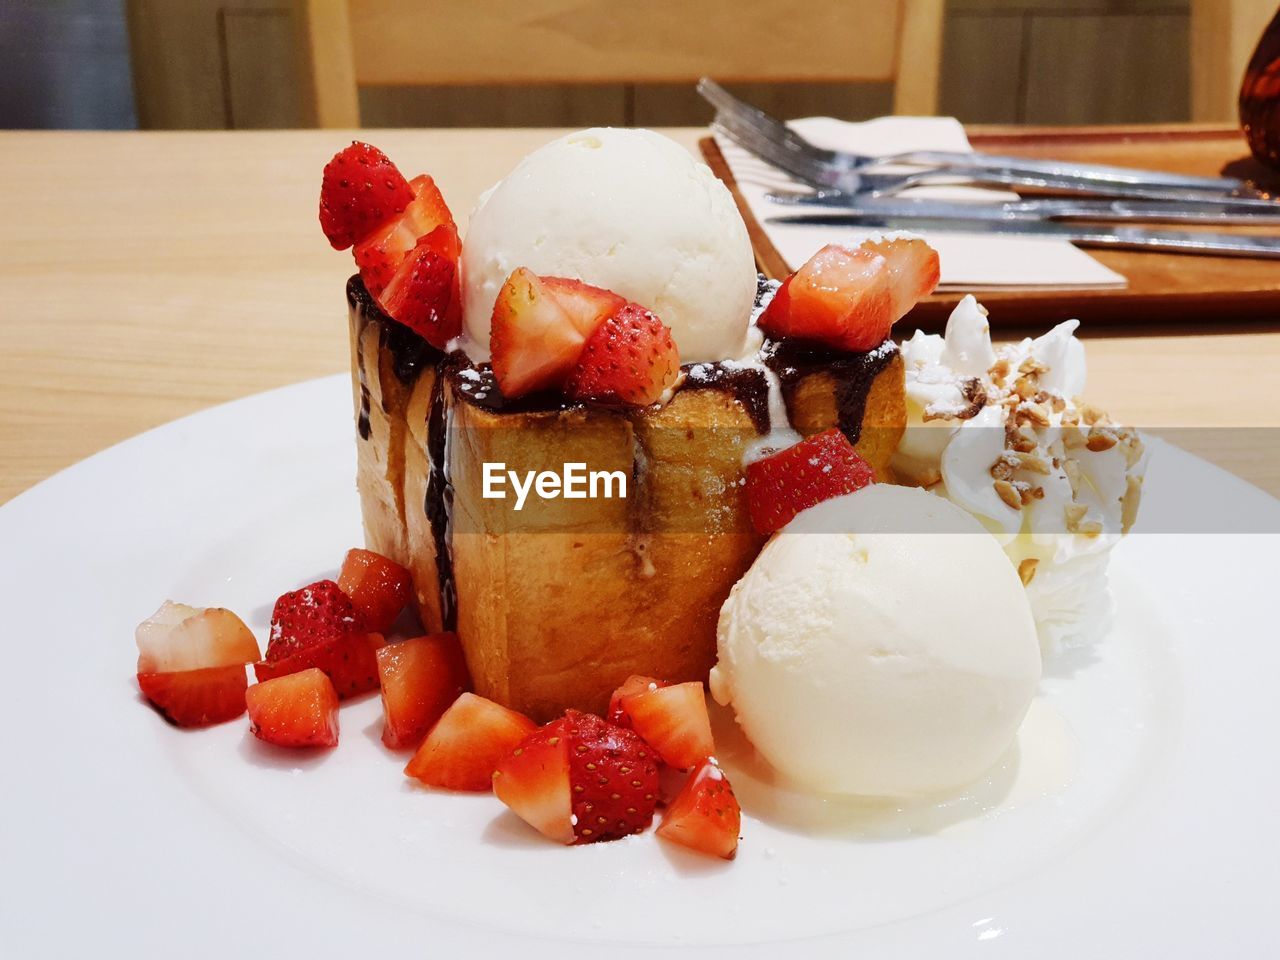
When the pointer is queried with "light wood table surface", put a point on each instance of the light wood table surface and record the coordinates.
(144, 276)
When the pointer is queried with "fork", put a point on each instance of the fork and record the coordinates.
(829, 176)
(730, 108)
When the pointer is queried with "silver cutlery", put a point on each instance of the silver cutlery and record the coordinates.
(1224, 212)
(732, 109)
(1088, 235)
(829, 177)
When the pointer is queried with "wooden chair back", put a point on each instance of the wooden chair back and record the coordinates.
(347, 43)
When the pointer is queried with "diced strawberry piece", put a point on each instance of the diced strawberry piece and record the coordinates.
(673, 720)
(298, 710)
(633, 684)
(850, 298)
(801, 476)
(580, 780)
(349, 661)
(317, 626)
(381, 252)
(421, 678)
(178, 637)
(533, 341)
(465, 746)
(585, 305)
(423, 294)
(705, 815)
(630, 359)
(378, 588)
(196, 698)
(361, 189)
(533, 780)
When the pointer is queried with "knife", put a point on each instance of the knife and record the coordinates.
(1147, 211)
(1087, 235)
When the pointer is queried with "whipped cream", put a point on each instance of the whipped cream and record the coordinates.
(1004, 434)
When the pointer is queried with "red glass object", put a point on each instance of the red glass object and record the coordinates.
(1260, 97)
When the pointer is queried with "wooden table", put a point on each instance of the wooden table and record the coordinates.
(145, 276)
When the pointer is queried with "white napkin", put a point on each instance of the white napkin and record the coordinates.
(968, 260)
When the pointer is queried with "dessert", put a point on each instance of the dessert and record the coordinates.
(603, 317)
(880, 645)
(1005, 435)
(583, 270)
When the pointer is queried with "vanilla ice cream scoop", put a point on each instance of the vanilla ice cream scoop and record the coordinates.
(880, 645)
(628, 210)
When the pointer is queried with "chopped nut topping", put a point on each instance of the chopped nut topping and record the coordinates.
(1100, 439)
(1056, 403)
(1074, 513)
(1028, 461)
(1025, 388)
(1032, 367)
(1035, 413)
(1009, 494)
(1073, 437)
(1000, 371)
(1027, 570)
(1091, 414)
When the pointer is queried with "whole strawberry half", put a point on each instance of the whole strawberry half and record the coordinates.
(317, 626)
(850, 297)
(801, 476)
(705, 815)
(580, 780)
(630, 359)
(360, 189)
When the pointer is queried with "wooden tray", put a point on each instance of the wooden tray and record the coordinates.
(1163, 288)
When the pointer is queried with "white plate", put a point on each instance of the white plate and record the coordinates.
(1137, 816)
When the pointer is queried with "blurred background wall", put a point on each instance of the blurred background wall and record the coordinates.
(232, 64)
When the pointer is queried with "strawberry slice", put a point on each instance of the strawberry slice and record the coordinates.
(671, 719)
(423, 294)
(191, 663)
(705, 815)
(421, 678)
(465, 746)
(178, 637)
(317, 626)
(801, 476)
(850, 298)
(380, 253)
(378, 588)
(633, 684)
(360, 189)
(630, 359)
(580, 780)
(533, 341)
(533, 780)
(196, 698)
(585, 305)
(299, 710)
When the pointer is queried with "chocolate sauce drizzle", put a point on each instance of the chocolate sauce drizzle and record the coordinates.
(790, 360)
(439, 498)
(793, 360)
